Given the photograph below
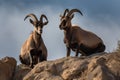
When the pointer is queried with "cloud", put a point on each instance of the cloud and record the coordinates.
(14, 30)
(108, 31)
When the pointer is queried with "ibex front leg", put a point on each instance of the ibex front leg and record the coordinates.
(68, 51)
(32, 54)
(77, 52)
(40, 56)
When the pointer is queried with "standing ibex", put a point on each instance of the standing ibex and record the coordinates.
(34, 50)
(77, 39)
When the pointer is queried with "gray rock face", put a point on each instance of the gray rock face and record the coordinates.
(7, 68)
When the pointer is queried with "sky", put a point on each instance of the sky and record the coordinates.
(99, 16)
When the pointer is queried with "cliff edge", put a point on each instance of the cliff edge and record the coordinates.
(101, 66)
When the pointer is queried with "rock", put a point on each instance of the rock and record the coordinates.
(100, 66)
(7, 67)
(21, 71)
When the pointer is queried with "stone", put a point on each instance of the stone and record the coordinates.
(7, 68)
(21, 71)
(100, 66)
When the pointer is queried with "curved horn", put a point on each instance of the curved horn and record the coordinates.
(32, 16)
(41, 19)
(67, 10)
(74, 10)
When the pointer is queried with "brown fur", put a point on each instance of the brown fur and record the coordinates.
(34, 49)
(78, 39)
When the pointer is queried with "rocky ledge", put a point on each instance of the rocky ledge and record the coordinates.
(101, 66)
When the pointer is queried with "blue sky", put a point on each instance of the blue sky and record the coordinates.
(100, 16)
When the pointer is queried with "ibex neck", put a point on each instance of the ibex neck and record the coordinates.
(37, 39)
(36, 35)
(68, 27)
(67, 30)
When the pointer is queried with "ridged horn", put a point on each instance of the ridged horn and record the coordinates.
(66, 11)
(32, 16)
(41, 19)
(74, 10)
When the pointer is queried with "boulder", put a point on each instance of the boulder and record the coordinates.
(101, 66)
(7, 68)
(21, 71)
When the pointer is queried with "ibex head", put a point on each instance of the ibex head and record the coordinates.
(38, 24)
(66, 18)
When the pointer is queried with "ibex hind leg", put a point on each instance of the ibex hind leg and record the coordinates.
(85, 51)
(21, 60)
(24, 60)
(101, 48)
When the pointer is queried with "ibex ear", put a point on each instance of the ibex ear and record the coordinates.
(31, 21)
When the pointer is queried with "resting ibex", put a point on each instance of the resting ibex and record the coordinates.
(78, 39)
(34, 49)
